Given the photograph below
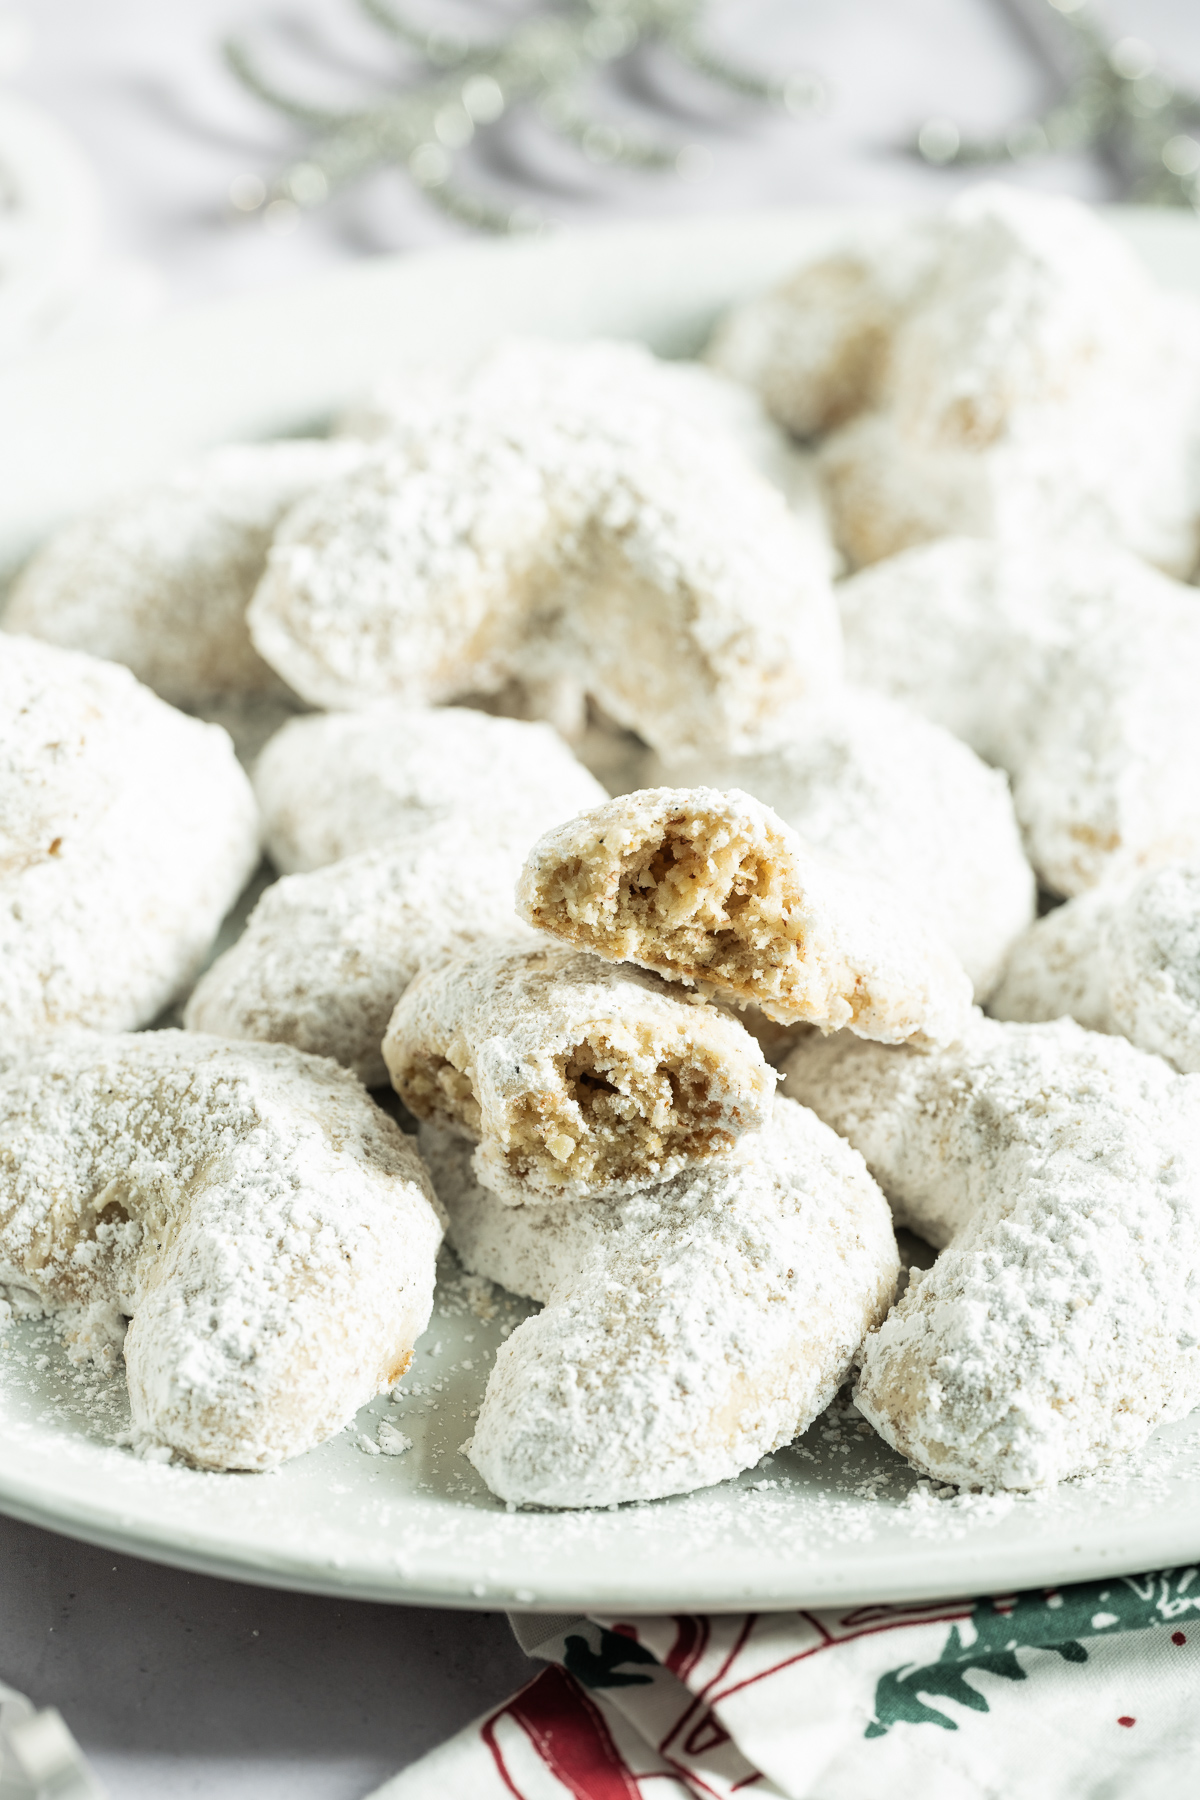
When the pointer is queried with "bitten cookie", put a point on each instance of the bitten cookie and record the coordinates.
(1060, 1170)
(715, 890)
(575, 1078)
(1075, 669)
(267, 1231)
(126, 832)
(688, 1329)
(897, 798)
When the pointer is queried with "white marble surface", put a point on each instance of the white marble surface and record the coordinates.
(183, 1686)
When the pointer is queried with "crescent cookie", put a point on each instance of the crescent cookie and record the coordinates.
(409, 826)
(325, 956)
(126, 832)
(687, 1330)
(892, 795)
(715, 890)
(160, 577)
(335, 784)
(522, 372)
(575, 1078)
(1059, 1173)
(266, 1229)
(817, 346)
(1123, 958)
(585, 530)
(1076, 670)
(1036, 384)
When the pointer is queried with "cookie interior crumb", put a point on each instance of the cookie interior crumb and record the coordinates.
(695, 899)
(620, 1100)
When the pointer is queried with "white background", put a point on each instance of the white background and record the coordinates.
(180, 1685)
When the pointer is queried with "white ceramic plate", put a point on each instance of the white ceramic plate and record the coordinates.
(837, 1518)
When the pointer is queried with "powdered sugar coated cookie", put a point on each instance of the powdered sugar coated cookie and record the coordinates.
(126, 833)
(325, 956)
(1075, 669)
(160, 578)
(715, 890)
(339, 783)
(1004, 369)
(688, 1329)
(575, 1078)
(887, 793)
(586, 529)
(409, 827)
(1061, 1171)
(520, 373)
(817, 346)
(1057, 968)
(268, 1231)
(1123, 958)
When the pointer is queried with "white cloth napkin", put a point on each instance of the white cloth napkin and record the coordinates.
(1082, 1693)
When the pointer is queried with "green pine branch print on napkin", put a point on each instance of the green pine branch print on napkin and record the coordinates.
(1041, 1619)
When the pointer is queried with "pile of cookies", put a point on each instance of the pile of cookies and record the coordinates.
(627, 739)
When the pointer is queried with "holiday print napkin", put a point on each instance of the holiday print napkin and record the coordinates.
(1089, 1692)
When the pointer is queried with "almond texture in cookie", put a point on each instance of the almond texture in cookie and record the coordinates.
(687, 1329)
(895, 797)
(1059, 1173)
(126, 832)
(713, 889)
(266, 1230)
(575, 1078)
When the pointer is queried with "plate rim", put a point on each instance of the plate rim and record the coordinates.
(1018, 1567)
(58, 377)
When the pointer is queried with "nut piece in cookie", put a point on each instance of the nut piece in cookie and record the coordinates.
(713, 889)
(267, 1230)
(575, 1078)
(1059, 1172)
(126, 833)
(895, 796)
(688, 1329)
